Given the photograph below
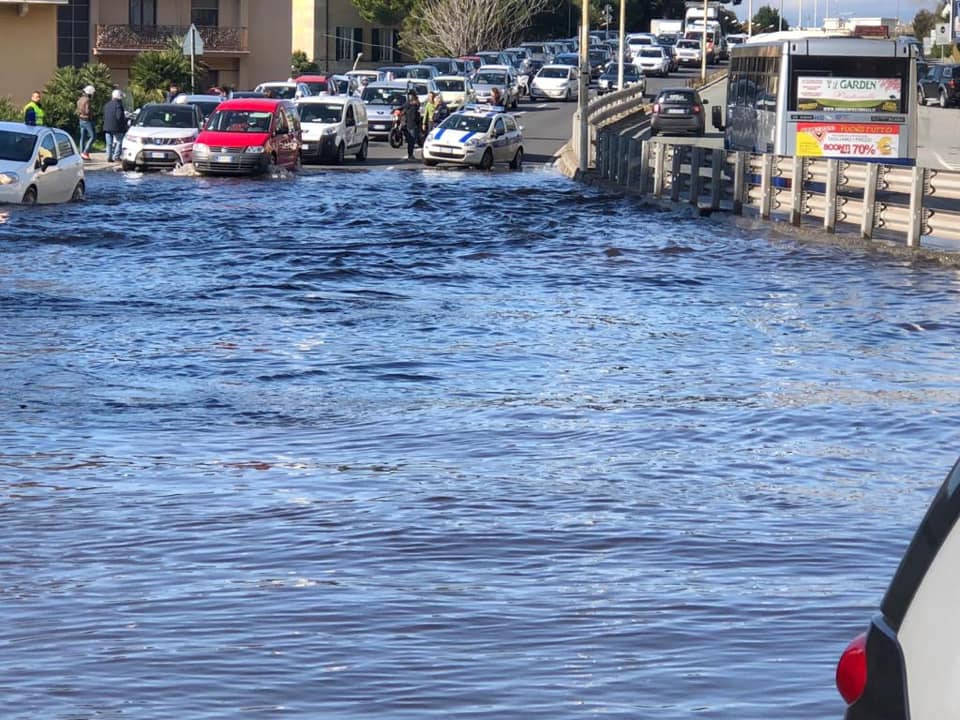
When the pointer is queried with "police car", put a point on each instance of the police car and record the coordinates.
(478, 135)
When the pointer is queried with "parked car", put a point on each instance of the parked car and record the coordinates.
(162, 137)
(555, 82)
(318, 84)
(444, 65)
(607, 82)
(652, 60)
(904, 665)
(567, 58)
(423, 72)
(333, 126)
(343, 84)
(689, 53)
(369, 75)
(598, 59)
(475, 137)
(456, 91)
(284, 90)
(678, 110)
(501, 77)
(39, 164)
(538, 51)
(493, 57)
(206, 103)
(381, 99)
(941, 83)
(248, 136)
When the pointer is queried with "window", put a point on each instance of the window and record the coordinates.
(349, 42)
(376, 49)
(143, 12)
(205, 12)
(64, 144)
(73, 33)
(48, 147)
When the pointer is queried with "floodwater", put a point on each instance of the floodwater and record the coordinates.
(442, 444)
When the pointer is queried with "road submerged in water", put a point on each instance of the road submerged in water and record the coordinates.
(449, 444)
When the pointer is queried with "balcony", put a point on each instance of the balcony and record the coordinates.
(114, 39)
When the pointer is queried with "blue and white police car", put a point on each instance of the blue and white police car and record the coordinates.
(477, 135)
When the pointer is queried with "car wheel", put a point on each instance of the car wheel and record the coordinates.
(517, 162)
(943, 99)
(921, 100)
(486, 162)
(30, 196)
(566, 95)
(127, 166)
(430, 163)
(79, 192)
(297, 163)
(340, 154)
(362, 155)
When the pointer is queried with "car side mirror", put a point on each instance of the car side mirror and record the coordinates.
(48, 161)
(717, 117)
(498, 132)
(704, 102)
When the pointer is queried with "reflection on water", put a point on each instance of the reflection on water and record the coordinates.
(449, 444)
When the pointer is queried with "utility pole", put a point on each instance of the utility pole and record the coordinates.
(584, 85)
(623, 36)
(703, 44)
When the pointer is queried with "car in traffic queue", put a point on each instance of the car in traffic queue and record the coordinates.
(318, 84)
(162, 136)
(456, 91)
(653, 60)
(555, 82)
(567, 58)
(445, 65)
(689, 52)
(678, 110)
(249, 136)
(501, 77)
(39, 164)
(477, 135)
(333, 126)
(289, 90)
(904, 666)
(940, 83)
(607, 82)
(365, 75)
(424, 71)
(381, 99)
(206, 103)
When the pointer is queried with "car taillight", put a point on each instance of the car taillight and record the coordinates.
(696, 109)
(852, 670)
(656, 107)
(951, 83)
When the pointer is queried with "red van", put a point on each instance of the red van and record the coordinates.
(318, 84)
(248, 135)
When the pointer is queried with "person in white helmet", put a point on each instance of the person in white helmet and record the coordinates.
(85, 114)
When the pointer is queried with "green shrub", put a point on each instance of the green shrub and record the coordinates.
(8, 111)
(62, 92)
(153, 71)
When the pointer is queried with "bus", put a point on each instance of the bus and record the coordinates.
(820, 96)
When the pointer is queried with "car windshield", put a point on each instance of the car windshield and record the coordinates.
(317, 87)
(599, 55)
(689, 44)
(444, 66)
(450, 85)
(320, 112)
(245, 121)
(491, 78)
(16, 146)
(567, 59)
(167, 117)
(549, 72)
(466, 123)
(281, 92)
(651, 52)
(206, 106)
(420, 72)
(676, 97)
(384, 96)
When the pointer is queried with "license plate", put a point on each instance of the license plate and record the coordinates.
(676, 111)
(305, 146)
(224, 158)
(158, 155)
(379, 127)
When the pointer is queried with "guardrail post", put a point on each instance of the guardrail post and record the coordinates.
(696, 160)
(716, 178)
(676, 168)
(659, 160)
(615, 157)
(739, 181)
(796, 190)
(915, 228)
(623, 167)
(603, 153)
(766, 187)
(644, 167)
(868, 220)
(830, 197)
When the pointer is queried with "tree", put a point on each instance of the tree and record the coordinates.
(767, 20)
(8, 111)
(384, 12)
(923, 24)
(457, 27)
(300, 64)
(63, 90)
(154, 70)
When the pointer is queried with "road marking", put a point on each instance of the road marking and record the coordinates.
(541, 106)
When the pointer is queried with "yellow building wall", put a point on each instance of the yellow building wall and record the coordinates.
(269, 34)
(28, 50)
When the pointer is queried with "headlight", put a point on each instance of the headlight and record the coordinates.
(9, 178)
(330, 131)
(254, 149)
(476, 142)
(201, 148)
(133, 139)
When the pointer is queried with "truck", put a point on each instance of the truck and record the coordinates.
(694, 13)
(663, 26)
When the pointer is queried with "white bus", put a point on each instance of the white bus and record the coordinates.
(818, 96)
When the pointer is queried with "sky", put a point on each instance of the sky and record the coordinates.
(903, 9)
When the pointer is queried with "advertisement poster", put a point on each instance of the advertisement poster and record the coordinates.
(849, 94)
(860, 141)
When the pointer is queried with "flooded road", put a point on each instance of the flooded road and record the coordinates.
(449, 445)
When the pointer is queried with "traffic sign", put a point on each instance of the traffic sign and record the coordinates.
(192, 42)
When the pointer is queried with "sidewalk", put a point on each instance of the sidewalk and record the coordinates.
(98, 161)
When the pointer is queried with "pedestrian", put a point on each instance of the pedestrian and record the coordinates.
(84, 112)
(410, 115)
(495, 97)
(114, 125)
(440, 110)
(172, 93)
(428, 108)
(33, 112)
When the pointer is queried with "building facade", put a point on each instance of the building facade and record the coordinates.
(332, 33)
(28, 46)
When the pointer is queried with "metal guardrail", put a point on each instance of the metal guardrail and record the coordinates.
(605, 110)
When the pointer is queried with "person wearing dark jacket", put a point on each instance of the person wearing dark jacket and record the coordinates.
(114, 125)
(410, 115)
(172, 93)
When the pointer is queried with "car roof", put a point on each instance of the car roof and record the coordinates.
(559, 66)
(451, 77)
(278, 83)
(495, 67)
(170, 105)
(310, 78)
(252, 104)
(23, 128)
(327, 100)
(196, 98)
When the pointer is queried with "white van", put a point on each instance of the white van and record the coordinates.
(333, 126)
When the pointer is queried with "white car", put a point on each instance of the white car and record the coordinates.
(162, 137)
(653, 60)
(456, 91)
(479, 136)
(688, 52)
(381, 99)
(39, 165)
(284, 90)
(555, 82)
(333, 126)
(502, 77)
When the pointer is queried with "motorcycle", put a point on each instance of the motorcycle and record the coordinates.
(396, 132)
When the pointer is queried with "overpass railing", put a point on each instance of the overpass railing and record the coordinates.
(606, 110)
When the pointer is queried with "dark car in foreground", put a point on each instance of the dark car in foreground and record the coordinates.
(678, 110)
(904, 667)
